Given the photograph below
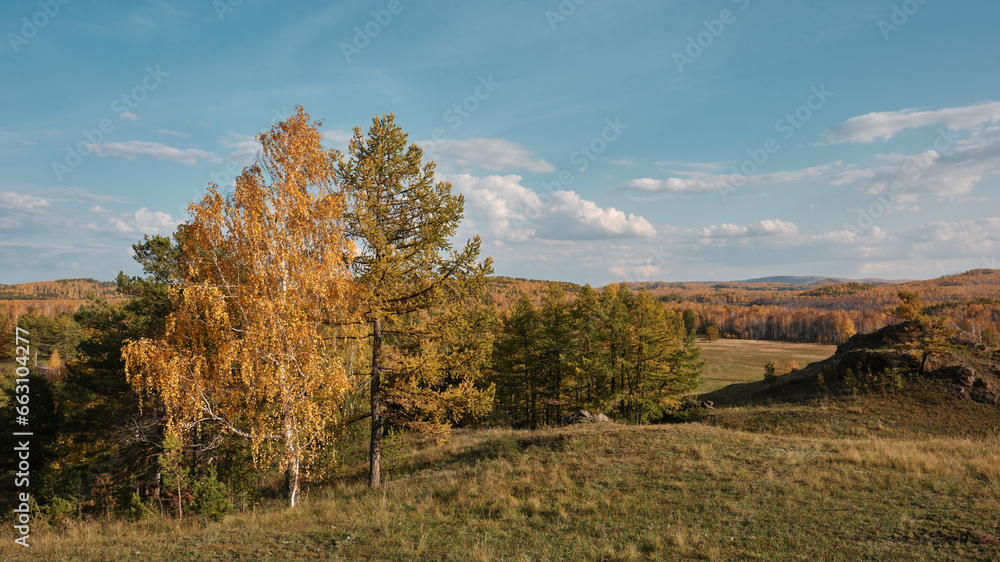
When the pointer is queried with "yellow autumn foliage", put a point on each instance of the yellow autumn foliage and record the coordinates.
(248, 347)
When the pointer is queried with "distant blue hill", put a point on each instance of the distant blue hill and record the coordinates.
(814, 280)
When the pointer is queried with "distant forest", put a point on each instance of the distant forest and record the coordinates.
(817, 313)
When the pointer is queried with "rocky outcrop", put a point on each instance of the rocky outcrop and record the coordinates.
(583, 416)
(871, 361)
(958, 374)
(969, 386)
(881, 339)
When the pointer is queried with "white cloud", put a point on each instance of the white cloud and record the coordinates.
(700, 182)
(975, 237)
(885, 125)
(130, 150)
(773, 227)
(572, 218)
(338, 137)
(128, 115)
(501, 203)
(495, 155)
(144, 222)
(508, 210)
(98, 209)
(20, 202)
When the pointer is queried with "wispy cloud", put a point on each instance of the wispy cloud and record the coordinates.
(177, 134)
(887, 124)
(700, 182)
(242, 147)
(953, 172)
(20, 202)
(495, 155)
(130, 150)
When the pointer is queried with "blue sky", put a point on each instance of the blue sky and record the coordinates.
(594, 140)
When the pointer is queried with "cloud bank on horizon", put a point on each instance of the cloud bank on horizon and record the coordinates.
(593, 141)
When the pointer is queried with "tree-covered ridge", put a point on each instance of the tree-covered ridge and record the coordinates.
(839, 289)
(824, 313)
(59, 289)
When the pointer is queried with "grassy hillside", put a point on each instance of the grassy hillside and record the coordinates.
(608, 492)
(777, 470)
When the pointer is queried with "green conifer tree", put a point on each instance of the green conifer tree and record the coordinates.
(413, 285)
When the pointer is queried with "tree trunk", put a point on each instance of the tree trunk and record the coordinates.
(292, 481)
(292, 472)
(375, 453)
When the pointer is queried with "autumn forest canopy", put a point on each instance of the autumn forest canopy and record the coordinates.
(307, 316)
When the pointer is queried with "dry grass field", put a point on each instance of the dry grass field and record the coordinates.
(735, 361)
(606, 492)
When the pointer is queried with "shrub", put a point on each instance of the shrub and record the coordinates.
(137, 509)
(60, 510)
(851, 383)
(505, 446)
(210, 497)
(769, 376)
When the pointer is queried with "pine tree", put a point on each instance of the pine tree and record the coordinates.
(927, 335)
(616, 337)
(585, 365)
(556, 334)
(516, 363)
(413, 285)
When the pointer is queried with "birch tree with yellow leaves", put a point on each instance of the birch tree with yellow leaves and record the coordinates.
(248, 348)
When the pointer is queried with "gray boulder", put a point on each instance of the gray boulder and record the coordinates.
(583, 416)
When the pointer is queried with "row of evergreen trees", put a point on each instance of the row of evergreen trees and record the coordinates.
(615, 351)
